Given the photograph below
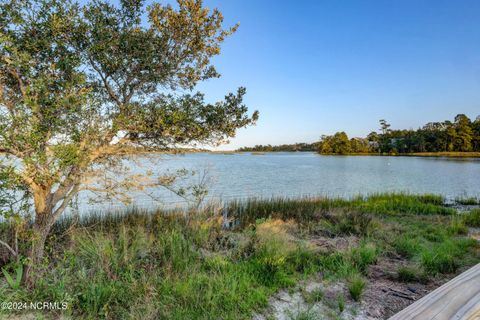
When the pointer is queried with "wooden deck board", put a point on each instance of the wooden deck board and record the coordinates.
(457, 299)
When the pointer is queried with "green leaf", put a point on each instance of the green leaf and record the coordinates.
(14, 283)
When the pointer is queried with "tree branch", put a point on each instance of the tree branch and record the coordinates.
(109, 89)
(66, 201)
(13, 252)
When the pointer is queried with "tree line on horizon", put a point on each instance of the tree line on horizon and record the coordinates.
(282, 147)
(461, 135)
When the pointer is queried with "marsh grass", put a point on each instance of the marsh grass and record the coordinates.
(445, 257)
(410, 274)
(457, 226)
(407, 246)
(314, 296)
(363, 256)
(169, 265)
(162, 266)
(472, 218)
(307, 208)
(341, 303)
(356, 286)
(308, 314)
(468, 201)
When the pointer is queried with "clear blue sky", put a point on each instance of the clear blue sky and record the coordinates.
(316, 67)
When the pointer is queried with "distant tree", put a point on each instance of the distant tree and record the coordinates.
(283, 147)
(464, 133)
(435, 134)
(340, 143)
(451, 134)
(325, 145)
(359, 145)
(384, 127)
(336, 144)
(385, 145)
(476, 134)
(373, 137)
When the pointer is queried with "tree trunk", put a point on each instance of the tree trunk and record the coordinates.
(41, 229)
(48, 207)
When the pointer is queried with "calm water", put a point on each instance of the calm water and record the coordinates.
(244, 175)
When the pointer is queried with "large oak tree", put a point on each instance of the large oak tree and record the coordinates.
(83, 85)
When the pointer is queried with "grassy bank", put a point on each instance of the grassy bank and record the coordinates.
(149, 265)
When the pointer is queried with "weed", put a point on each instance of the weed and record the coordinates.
(363, 256)
(304, 315)
(457, 226)
(314, 296)
(14, 283)
(407, 246)
(407, 274)
(341, 303)
(356, 285)
(472, 218)
(445, 257)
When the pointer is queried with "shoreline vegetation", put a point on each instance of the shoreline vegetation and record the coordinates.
(460, 138)
(336, 256)
(413, 154)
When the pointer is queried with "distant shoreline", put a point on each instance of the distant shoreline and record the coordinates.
(414, 154)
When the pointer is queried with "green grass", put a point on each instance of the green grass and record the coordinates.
(472, 218)
(305, 209)
(159, 265)
(304, 315)
(467, 201)
(445, 257)
(407, 246)
(341, 303)
(356, 286)
(314, 296)
(457, 226)
(170, 270)
(410, 274)
(363, 256)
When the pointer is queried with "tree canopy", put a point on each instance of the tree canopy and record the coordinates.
(461, 135)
